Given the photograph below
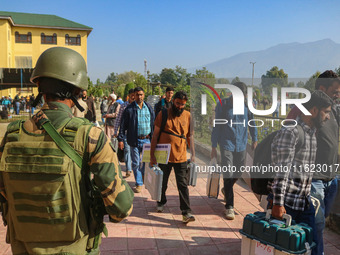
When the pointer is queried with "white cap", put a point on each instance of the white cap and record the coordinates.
(114, 97)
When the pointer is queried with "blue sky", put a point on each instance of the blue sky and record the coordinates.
(186, 33)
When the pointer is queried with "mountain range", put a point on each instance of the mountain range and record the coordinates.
(298, 60)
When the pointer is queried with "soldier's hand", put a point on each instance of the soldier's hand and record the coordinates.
(278, 211)
(121, 145)
(153, 160)
(213, 153)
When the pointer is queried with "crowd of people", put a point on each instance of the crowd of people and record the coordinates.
(135, 123)
(311, 144)
(17, 104)
(53, 190)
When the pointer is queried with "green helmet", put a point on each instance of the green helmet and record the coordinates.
(63, 64)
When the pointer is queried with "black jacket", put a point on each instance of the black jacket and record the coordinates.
(129, 123)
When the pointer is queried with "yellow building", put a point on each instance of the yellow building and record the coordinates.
(24, 36)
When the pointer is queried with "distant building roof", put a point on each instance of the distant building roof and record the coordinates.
(42, 20)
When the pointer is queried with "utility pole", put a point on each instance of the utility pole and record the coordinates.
(145, 68)
(252, 79)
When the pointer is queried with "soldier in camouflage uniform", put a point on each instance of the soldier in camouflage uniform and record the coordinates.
(49, 201)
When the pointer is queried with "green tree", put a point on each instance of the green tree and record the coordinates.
(111, 78)
(90, 83)
(183, 77)
(155, 77)
(300, 84)
(203, 73)
(236, 79)
(119, 91)
(222, 92)
(337, 71)
(140, 81)
(178, 78)
(271, 90)
(274, 76)
(95, 91)
(98, 82)
(222, 81)
(291, 84)
(310, 84)
(126, 77)
(128, 86)
(257, 93)
(202, 121)
(168, 76)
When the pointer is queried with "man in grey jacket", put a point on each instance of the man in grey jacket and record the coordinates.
(112, 112)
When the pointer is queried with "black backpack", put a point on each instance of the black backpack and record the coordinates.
(263, 156)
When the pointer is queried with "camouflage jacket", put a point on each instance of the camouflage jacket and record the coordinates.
(103, 166)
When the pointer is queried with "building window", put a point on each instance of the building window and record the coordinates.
(72, 40)
(48, 39)
(23, 38)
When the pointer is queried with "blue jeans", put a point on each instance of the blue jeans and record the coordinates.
(103, 119)
(307, 216)
(17, 108)
(127, 156)
(32, 110)
(136, 162)
(325, 192)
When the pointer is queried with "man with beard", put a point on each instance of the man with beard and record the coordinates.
(176, 132)
(78, 113)
(292, 187)
(91, 109)
(324, 184)
(111, 115)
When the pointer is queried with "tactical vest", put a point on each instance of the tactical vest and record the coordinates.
(44, 186)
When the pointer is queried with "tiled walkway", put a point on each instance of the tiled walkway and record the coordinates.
(149, 232)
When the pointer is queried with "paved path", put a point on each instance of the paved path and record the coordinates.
(149, 232)
(3, 128)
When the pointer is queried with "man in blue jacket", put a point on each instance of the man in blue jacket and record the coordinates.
(137, 120)
(232, 139)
